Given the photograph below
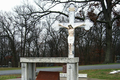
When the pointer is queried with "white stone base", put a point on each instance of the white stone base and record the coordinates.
(71, 56)
(28, 66)
(79, 75)
(82, 75)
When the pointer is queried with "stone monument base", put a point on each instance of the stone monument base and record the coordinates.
(28, 66)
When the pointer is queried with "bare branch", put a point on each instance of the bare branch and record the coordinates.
(77, 1)
(118, 17)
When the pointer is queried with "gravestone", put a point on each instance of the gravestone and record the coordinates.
(9, 64)
(117, 59)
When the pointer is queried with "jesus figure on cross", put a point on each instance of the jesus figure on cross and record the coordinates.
(71, 37)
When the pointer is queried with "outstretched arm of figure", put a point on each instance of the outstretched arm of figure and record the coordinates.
(63, 26)
(79, 26)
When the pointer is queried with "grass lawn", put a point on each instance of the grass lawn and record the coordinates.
(101, 74)
(4, 77)
(98, 73)
(3, 69)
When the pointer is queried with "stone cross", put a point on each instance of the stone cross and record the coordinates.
(71, 27)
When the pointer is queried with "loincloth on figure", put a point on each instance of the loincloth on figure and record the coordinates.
(71, 40)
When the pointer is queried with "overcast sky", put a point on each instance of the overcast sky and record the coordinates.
(8, 5)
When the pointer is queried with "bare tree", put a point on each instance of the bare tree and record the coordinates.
(28, 28)
(107, 11)
(7, 25)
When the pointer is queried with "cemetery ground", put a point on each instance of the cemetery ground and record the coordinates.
(95, 74)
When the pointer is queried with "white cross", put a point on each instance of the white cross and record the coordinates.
(71, 31)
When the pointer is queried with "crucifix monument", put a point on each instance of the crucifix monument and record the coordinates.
(71, 27)
(72, 69)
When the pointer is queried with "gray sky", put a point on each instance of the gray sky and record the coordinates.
(8, 5)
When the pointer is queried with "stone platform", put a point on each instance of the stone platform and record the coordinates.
(28, 66)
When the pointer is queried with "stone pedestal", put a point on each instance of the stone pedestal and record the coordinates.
(28, 71)
(28, 66)
(72, 71)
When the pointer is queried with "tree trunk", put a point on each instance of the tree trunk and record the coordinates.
(107, 9)
(14, 53)
(108, 56)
